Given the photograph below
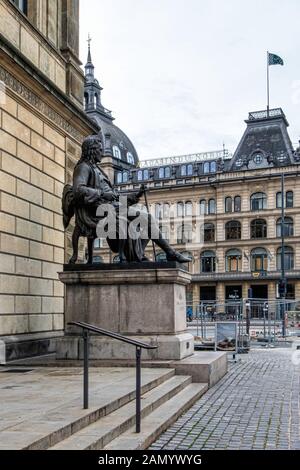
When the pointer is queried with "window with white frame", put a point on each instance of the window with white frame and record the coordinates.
(130, 158)
(116, 152)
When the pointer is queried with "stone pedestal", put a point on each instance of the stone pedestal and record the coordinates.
(145, 301)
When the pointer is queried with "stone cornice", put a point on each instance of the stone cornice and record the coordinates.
(38, 104)
(34, 99)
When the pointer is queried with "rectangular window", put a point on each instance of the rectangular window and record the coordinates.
(21, 4)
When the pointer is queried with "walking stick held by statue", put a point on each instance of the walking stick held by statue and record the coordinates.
(145, 189)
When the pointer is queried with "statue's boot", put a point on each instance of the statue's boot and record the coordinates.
(172, 255)
(175, 256)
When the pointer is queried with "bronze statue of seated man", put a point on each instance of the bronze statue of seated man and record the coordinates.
(92, 191)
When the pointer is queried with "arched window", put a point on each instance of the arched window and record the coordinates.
(119, 177)
(206, 167)
(167, 172)
(211, 206)
(116, 152)
(183, 170)
(125, 176)
(288, 227)
(233, 260)
(233, 230)
(184, 234)
(161, 256)
(179, 209)
(161, 172)
(130, 158)
(202, 207)
(213, 167)
(209, 232)
(187, 254)
(259, 260)
(237, 204)
(258, 201)
(188, 208)
(288, 258)
(258, 228)
(289, 199)
(228, 204)
(190, 170)
(208, 262)
(143, 175)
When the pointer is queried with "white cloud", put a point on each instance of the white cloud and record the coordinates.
(181, 75)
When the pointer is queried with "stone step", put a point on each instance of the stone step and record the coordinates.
(99, 434)
(159, 420)
(65, 421)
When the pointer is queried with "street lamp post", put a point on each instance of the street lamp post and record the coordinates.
(282, 283)
(265, 310)
(247, 305)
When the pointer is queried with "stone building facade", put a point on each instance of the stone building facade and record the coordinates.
(226, 212)
(42, 124)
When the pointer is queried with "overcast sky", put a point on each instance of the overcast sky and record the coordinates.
(180, 76)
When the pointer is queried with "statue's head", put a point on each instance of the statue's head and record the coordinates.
(92, 149)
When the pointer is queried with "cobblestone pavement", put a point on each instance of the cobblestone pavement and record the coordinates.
(255, 406)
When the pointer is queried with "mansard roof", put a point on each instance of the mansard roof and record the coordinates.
(264, 144)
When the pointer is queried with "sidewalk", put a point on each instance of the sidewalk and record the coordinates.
(255, 406)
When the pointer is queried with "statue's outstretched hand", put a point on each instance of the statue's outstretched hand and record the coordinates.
(109, 196)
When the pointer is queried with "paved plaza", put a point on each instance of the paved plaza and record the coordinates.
(255, 406)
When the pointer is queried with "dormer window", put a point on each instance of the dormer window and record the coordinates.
(186, 170)
(122, 177)
(206, 168)
(210, 167)
(142, 175)
(213, 167)
(117, 152)
(258, 158)
(130, 158)
(22, 5)
(164, 172)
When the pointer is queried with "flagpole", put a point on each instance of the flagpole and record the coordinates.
(268, 85)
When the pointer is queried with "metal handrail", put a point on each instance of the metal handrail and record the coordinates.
(139, 345)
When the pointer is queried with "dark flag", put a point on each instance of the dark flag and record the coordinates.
(274, 59)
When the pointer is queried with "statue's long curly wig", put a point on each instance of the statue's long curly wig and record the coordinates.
(89, 148)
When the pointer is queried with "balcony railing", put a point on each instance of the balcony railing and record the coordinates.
(254, 115)
(244, 275)
(190, 158)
